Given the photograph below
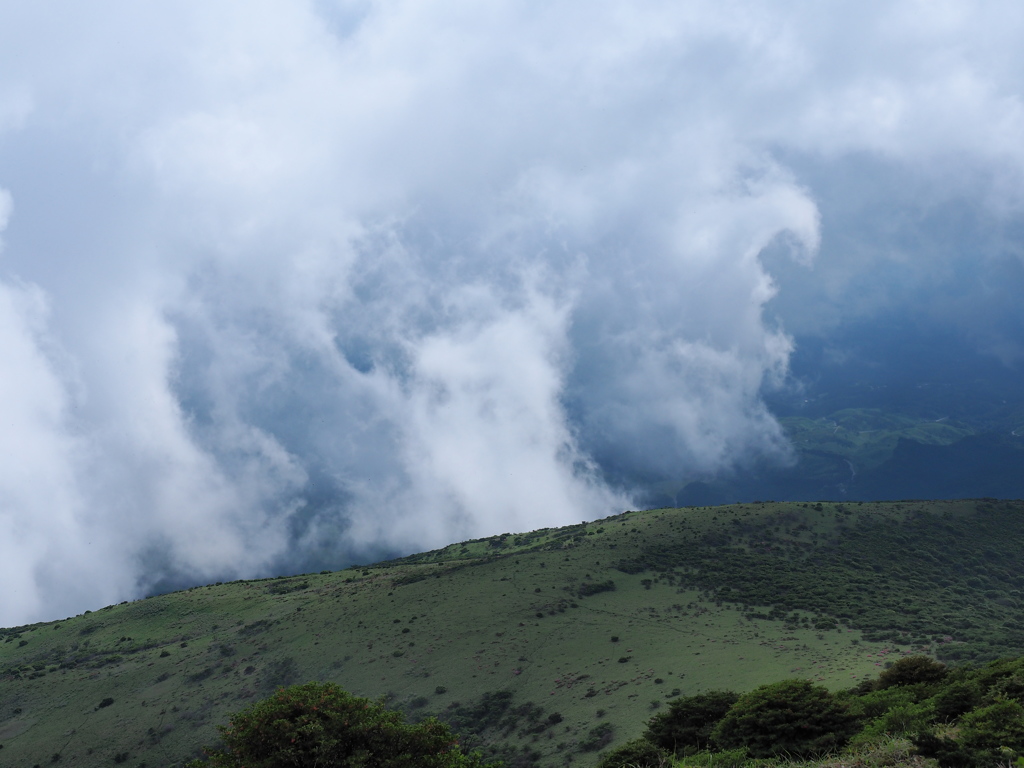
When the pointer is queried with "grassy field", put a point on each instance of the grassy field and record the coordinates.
(540, 646)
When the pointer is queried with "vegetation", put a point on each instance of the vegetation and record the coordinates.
(319, 724)
(687, 725)
(514, 641)
(903, 576)
(900, 718)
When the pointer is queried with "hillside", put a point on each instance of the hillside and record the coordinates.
(544, 647)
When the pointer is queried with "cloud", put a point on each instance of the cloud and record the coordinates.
(291, 284)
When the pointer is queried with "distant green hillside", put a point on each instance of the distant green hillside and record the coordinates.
(543, 647)
(876, 454)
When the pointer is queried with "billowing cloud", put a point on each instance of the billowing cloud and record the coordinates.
(291, 284)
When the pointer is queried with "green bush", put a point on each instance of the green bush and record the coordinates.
(994, 727)
(1011, 687)
(873, 704)
(597, 738)
(792, 717)
(320, 724)
(639, 753)
(901, 720)
(594, 588)
(686, 726)
(911, 670)
(956, 699)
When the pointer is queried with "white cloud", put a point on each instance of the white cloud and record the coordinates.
(402, 272)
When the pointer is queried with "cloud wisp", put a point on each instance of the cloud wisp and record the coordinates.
(292, 284)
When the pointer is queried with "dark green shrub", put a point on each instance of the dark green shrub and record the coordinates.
(992, 735)
(639, 753)
(993, 727)
(793, 718)
(901, 720)
(321, 724)
(687, 725)
(868, 706)
(947, 752)
(593, 588)
(1011, 687)
(597, 738)
(955, 699)
(911, 670)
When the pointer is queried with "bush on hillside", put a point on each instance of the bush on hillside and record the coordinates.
(911, 670)
(993, 728)
(792, 717)
(687, 725)
(321, 724)
(956, 699)
(900, 720)
(870, 704)
(597, 738)
(992, 735)
(639, 753)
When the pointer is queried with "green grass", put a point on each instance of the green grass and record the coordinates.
(866, 437)
(464, 621)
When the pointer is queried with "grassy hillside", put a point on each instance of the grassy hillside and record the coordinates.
(546, 646)
(873, 453)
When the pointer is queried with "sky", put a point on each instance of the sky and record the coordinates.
(291, 285)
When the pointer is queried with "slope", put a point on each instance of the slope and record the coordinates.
(542, 647)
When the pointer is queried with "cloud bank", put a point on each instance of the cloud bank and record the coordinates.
(295, 284)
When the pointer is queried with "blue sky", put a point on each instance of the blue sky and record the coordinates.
(307, 282)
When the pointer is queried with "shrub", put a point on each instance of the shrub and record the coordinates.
(873, 704)
(686, 726)
(900, 720)
(639, 753)
(945, 751)
(912, 670)
(597, 738)
(955, 699)
(1011, 687)
(992, 735)
(792, 717)
(993, 727)
(321, 724)
(594, 588)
